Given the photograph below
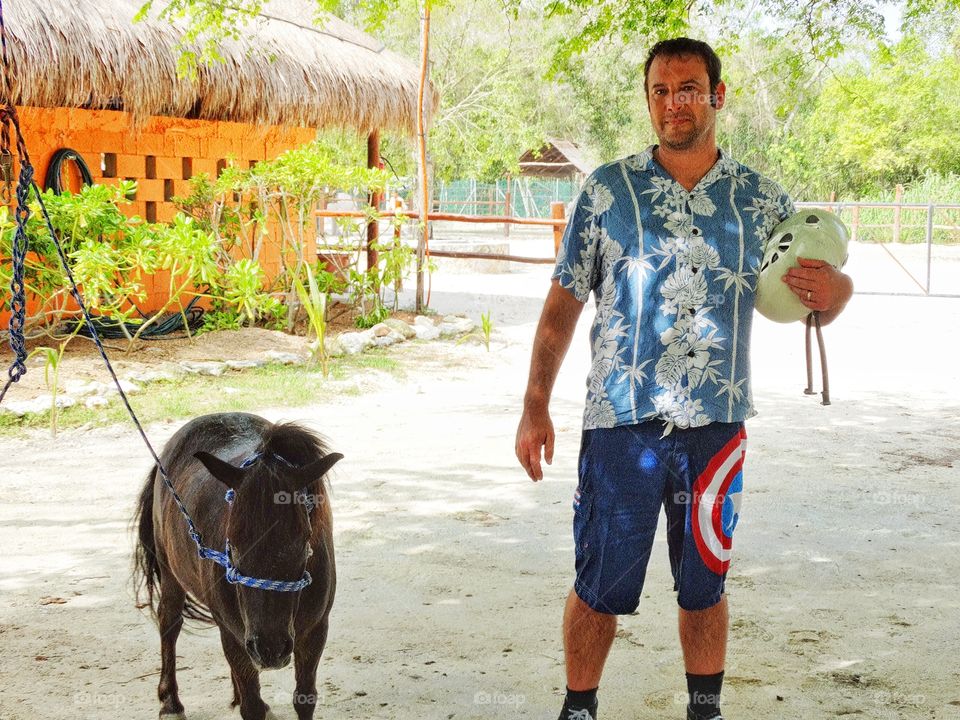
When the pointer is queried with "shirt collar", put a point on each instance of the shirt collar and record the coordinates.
(725, 166)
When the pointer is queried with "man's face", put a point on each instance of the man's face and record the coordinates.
(678, 95)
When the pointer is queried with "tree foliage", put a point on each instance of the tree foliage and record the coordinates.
(891, 119)
(818, 96)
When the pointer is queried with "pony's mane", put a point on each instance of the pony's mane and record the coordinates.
(293, 442)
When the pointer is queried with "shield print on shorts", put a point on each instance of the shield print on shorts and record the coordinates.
(716, 504)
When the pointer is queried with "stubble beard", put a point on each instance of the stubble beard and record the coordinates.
(689, 139)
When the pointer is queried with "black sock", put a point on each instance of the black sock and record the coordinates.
(581, 700)
(705, 694)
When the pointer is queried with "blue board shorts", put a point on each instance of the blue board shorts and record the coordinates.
(625, 475)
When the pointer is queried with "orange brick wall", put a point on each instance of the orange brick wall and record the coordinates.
(162, 146)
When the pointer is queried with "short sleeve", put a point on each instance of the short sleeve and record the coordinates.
(776, 205)
(578, 263)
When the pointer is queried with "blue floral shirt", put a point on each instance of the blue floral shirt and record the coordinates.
(673, 274)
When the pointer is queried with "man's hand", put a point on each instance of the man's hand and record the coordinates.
(554, 332)
(820, 287)
(534, 434)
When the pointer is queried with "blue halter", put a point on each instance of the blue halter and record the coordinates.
(233, 575)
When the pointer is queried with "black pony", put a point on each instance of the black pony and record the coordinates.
(279, 527)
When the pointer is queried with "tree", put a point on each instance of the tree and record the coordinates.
(888, 120)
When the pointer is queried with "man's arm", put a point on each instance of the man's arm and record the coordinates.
(820, 287)
(554, 333)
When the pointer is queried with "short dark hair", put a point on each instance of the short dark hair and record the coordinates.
(685, 46)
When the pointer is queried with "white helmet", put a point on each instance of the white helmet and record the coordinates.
(813, 234)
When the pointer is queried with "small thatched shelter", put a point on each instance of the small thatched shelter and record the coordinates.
(86, 77)
(557, 159)
(282, 71)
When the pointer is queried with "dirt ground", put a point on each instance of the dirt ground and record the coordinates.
(453, 566)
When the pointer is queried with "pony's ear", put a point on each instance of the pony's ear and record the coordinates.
(300, 477)
(223, 471)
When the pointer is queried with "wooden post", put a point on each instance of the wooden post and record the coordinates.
(373, 227)
(423, 249)
(855, 223)
(507, 207)
(558, 211)
(897, 211)
(397, 208)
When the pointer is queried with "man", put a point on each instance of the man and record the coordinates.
(669, 241)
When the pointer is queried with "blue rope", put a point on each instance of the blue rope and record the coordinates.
(232, 575)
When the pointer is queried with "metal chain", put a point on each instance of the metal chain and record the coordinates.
(20, 245)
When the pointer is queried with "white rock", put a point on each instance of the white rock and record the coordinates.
(39, 404)
(149, 376)
(385, 340)
(83, 389)
(401, 328)
(355, 342)
(380, 330)
(204, 367)
(334, 347)
(284, 358)
(96, 401)
(127, 386)
(427, 332)
(244, 364)
(423, 320)
(455, 326)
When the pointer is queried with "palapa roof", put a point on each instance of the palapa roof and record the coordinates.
(282, 71)
(558, 158)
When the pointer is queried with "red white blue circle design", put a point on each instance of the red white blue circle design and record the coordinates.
(715, 508)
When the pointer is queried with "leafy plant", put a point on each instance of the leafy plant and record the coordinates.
(315, 303)
(486, 329)
(51, 373)
(243, 289)
(486, 326)
(221, 319)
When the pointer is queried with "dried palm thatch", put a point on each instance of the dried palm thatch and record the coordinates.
(283, 71)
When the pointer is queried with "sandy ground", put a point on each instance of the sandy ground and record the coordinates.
(453, 566)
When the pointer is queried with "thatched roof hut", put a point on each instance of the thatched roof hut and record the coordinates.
(282, 71)
(556, 159)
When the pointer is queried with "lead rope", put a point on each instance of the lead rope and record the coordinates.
(8, 119)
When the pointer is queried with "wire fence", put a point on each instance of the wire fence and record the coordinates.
(517, 197)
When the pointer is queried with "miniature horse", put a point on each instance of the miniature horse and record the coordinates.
(279, 525)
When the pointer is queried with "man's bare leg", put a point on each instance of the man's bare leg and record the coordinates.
(703, 637)
(587, 637)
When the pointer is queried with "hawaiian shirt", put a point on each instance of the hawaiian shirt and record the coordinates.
(673, 275)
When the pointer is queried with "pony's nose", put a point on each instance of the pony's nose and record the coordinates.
(270, 655)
